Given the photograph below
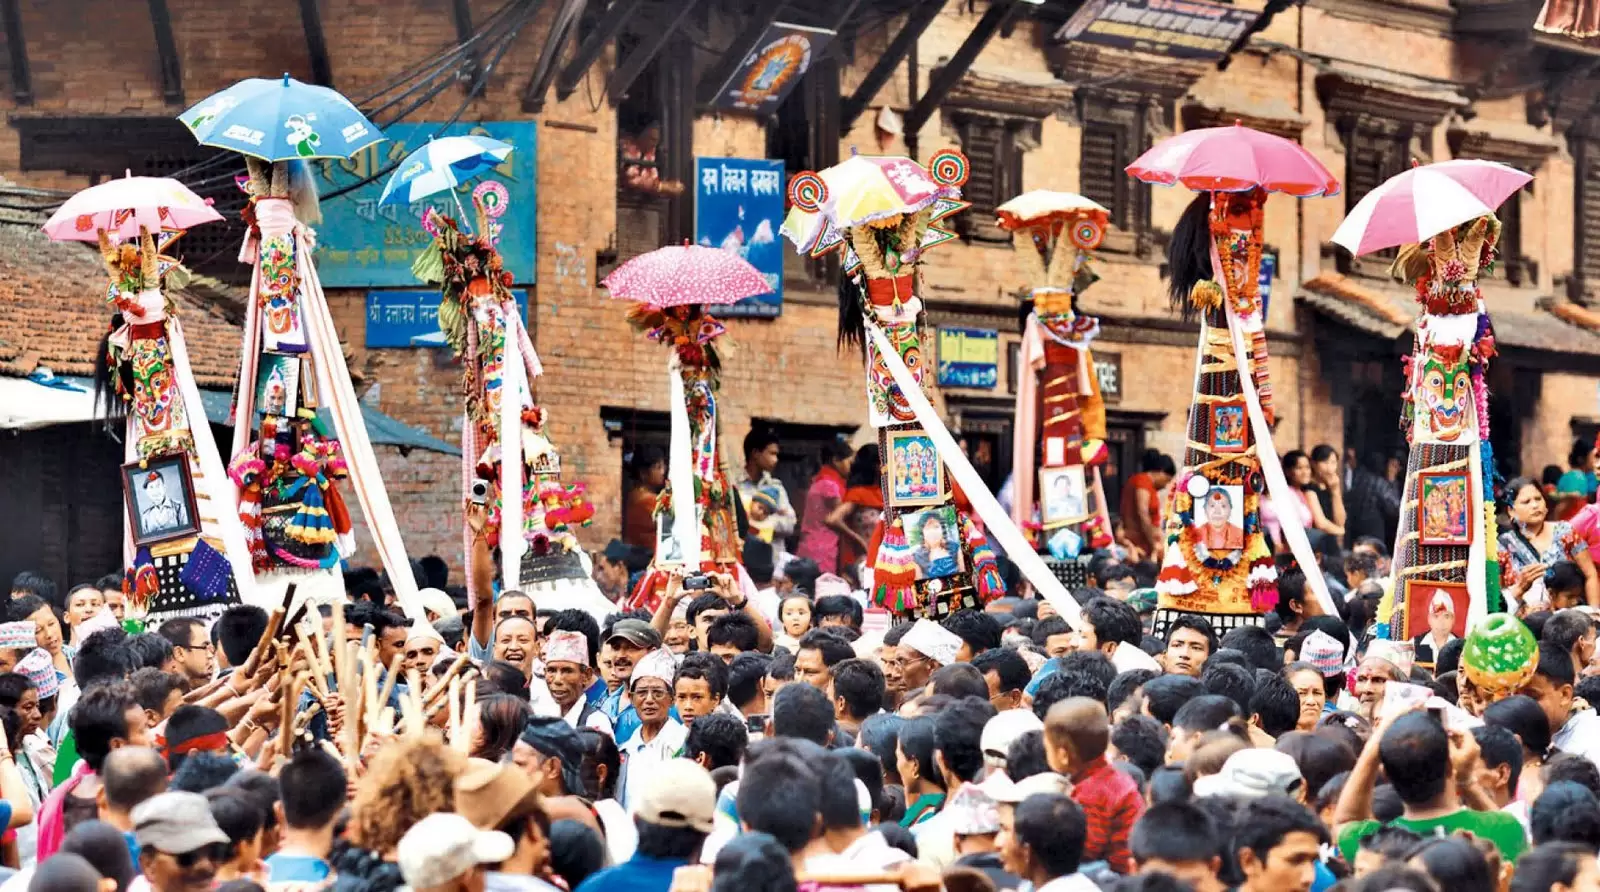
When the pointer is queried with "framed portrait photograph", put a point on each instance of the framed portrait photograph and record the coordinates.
(935, 539)
(278, 384)
(1230, 427)
(1435, 609)
(160, 499)
(1055, 451)
(669, 552)
(310, 398)
(916, 475)
(1444, 508)
(1063, 495)
(1219, 518)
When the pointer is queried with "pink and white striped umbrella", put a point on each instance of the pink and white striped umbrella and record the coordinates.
(121, 207)
(1417, 205)
(686, 274)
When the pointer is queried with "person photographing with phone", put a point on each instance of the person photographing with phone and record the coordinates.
(731, 597)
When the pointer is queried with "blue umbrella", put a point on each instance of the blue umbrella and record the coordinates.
(281, 120)
(443, 164)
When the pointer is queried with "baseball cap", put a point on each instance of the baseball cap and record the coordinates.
(636, 632)
(1253, 773)
(1003, 730)
(175, 823)
(444, 846)
(679, 793)
(489, 794)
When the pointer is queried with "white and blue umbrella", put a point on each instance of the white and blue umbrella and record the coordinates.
(281, 119)
(441, 164)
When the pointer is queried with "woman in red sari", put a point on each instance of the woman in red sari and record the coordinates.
(858, 514)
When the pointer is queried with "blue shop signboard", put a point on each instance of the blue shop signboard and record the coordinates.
(362, 245)
(738, 206)
(969, 357)
(410, 317)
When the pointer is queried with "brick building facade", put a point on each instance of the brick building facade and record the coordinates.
(1364, 84)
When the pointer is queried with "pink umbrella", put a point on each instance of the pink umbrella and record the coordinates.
(686, 274)
(121, 207)
(1417, 205)
(1234, 159)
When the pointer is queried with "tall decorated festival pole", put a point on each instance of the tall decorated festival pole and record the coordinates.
(1059, 437)
(674, 289)
(508, 463)
(286, 463)
(1445, 554)
(1216, 561)
(184, 550)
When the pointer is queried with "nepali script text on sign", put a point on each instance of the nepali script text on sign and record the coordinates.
(738, 206)
(410, 317)
(360, 244)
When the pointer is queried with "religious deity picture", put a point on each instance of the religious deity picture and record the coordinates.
(1230, 428)
(916, 476)
(160, 499)
(278, 384)
(1444, 508)
(1064, 495)
(935, 540)
(1219, 518)
(1427, 601)
(669, 553)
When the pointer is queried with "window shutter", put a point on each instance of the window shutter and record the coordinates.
(1589, 210)
(1104, 155)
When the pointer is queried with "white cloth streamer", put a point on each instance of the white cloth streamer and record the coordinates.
(680, 469)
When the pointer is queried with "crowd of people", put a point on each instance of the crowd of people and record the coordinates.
(801, 738)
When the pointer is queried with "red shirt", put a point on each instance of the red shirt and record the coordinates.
(1111, 803)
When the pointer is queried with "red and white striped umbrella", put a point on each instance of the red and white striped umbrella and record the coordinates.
(686, 274)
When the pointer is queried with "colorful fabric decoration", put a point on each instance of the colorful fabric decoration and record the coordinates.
(18, 635)
(206, 572)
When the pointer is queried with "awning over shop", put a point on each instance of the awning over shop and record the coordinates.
(1358, 305)
(26, 404)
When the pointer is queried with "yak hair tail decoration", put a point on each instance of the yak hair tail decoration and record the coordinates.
(1189, 254)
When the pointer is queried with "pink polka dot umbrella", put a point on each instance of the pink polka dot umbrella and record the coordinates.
(686, 274)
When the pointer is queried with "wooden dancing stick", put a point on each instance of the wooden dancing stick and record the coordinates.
(274, 622)
(443, 684)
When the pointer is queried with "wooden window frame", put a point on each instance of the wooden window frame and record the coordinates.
(1126, 117)
(1012, 137)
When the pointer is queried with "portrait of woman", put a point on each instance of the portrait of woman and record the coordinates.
(1220, 519)
(935, 543)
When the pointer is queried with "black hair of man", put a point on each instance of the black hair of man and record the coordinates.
(1555, 664)
(706, 667)
(182, 631)
(153, 687)
(305, 782)
(239, 630)
(1141, 740)
(734, 629)
(918, 743)
(237, 815)
(1415, 753)
(583, 623)
(1587, 689)
(719, 737)
(1565, 812)
(834, 649)
(1263, 824)
(861, 685)
(1117, 572)
(897, 632)
(1234, 682)
(130, 775)
(979, 630)
(1054, 829)
(553, 738)
(1567, 628)
(1125, 685)
(504, 678)
(1026, 757)
(1175, 832)
(1164, 695)
(781, 666)
(803, 572)
(802, 711)
(869, 771)
(1092, 662)
(1256, 644)
(204, 771)
(150, 650)
(1205, 713)
(1564, 576)
(1113, 621)
(1448, 659)
(1360, 562)
(1065, 683)
(1155, 461)
(668, 843)
(1194, 623)
(758, 440)
(1008, 666)
(1497, 746)
(1044, 628)
(745, 675)
(99, 717)
(65, 872)
(188, 722)
(25, 606)
(1535, 621)
(38, 585)
(959, 680)
(838, 805)
(1524, 717)
(957, 736)
(104, 656)
(703, 602)
(1542, 867)
(837, 606)
(262, 788)
(780, 794)
(1275, 706)
(1575, 768)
